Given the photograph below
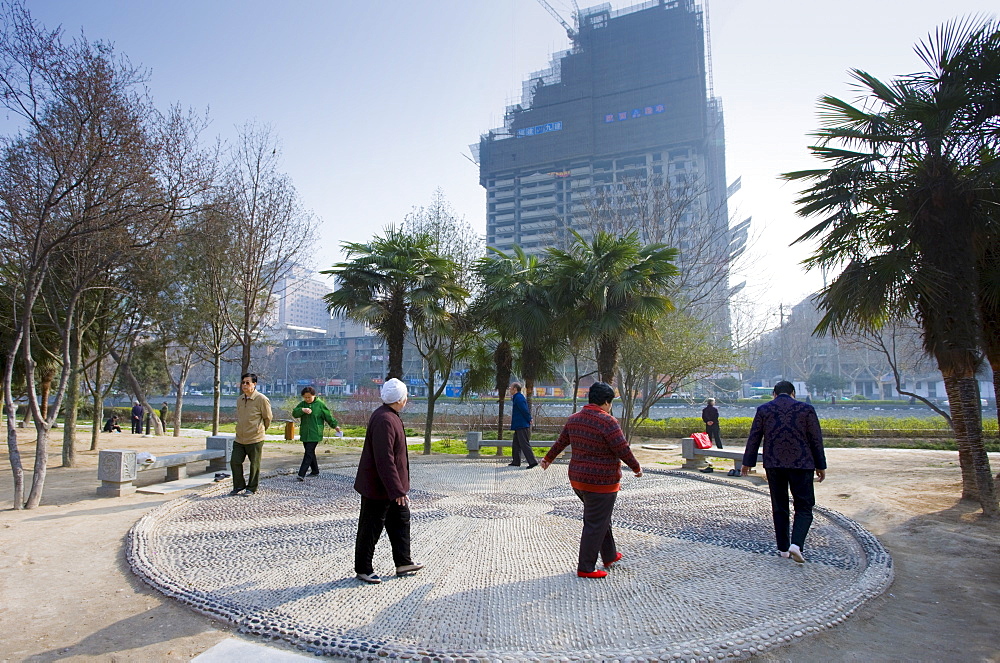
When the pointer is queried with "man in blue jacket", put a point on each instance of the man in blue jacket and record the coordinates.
(520, 423)
(793, 452)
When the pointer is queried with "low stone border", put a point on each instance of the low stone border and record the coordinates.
(698, 580)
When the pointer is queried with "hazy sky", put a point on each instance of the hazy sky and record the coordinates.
(376, 103)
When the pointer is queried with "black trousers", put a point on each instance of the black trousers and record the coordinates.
(309, 459)
(800, 482)
(522, 445)
(137, 425)
(714, 433)
(377, 515)
(596, 536)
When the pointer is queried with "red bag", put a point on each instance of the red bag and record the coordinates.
(701, 440)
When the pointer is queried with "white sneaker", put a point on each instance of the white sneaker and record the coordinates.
(783, 554)
(370, 578)
(796, 554)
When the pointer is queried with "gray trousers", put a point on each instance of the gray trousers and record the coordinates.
(522, 445)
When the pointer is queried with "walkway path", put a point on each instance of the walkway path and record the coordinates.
(500, 545)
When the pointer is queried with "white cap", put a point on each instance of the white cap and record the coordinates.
(393, 391)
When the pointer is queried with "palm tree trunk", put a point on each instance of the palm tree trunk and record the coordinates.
(607, 359)
(958, 427)
(977, 478)
(503, 359)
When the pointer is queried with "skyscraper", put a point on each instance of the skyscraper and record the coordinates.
(620, 133)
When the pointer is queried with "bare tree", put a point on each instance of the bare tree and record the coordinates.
(441, 340)
(268, 229)
(680, 352)
(679, 210)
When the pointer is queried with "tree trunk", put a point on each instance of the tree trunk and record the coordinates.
(217, 390)
(607, 359)
(995, 365)
(16, 468)
(98, 407)
(45, 391)
(503, 359)
(970, 444)
(41, 458)
(72, 400)
(969, 491)
(431, 402)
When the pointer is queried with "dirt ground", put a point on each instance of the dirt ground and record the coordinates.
(66, 592)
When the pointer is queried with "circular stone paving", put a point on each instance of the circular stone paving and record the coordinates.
(700, 578)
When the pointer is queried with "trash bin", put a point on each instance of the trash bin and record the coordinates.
(289, 430)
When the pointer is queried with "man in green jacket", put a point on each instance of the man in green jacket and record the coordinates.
(313, 413)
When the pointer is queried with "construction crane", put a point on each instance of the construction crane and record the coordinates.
(570, 32)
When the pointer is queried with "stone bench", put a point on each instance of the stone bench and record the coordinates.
(474, 442)
(117, 469)
(694, 458)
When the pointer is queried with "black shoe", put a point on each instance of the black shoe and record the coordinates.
(313, 474)
(513, 464)
(707, 470)
(235, 491)
(299, 478)
(249, 492)
(532, 465)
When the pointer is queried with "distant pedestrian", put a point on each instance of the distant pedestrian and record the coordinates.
(793, 452)
(599, 448)
(520, 423)
(111, 425)
(163, 414)
(253, 417)
(383, 480)
(710, 415)
(313, 413)
(137, 419)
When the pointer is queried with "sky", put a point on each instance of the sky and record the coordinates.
(376, 103)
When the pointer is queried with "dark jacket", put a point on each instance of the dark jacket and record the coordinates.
(384, 468)
(520, 416)
(710, 413)
(791, 435)
(599, 449)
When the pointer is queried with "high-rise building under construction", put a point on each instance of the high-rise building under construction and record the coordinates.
(622, 132)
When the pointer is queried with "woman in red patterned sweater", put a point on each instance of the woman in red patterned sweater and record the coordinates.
(599, 448)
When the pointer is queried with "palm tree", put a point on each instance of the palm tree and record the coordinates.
(617, 285)
(389, 281)
(904, 213)
(515, 302)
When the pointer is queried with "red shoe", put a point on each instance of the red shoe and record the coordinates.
(618, 558)
(592, 574)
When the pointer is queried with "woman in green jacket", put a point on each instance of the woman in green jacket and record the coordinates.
(313, 413)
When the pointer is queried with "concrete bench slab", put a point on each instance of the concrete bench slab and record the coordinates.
(694, 458)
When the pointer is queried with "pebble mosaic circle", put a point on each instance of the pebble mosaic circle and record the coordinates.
(700, 578)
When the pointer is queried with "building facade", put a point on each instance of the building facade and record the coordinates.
(619, 123)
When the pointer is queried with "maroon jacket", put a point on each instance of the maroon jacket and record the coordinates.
(599, 449)
(384, 468)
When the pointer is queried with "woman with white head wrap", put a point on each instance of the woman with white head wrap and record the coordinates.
(383, 480)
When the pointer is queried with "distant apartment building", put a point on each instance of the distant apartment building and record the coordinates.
(628, 107)
(298, 304)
